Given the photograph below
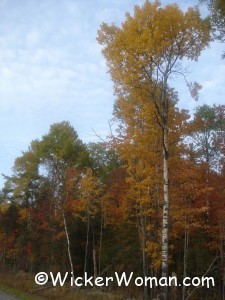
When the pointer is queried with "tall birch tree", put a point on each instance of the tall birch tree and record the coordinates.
(142, 55)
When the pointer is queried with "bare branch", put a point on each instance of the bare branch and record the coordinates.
(209, 268)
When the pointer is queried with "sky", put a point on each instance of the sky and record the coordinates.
(52, 70)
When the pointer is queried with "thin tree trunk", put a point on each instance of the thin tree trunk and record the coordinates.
(100, 246)
(94, 263)
(222, 260)
(94, 252)
(143, 245)
(185, 255)
(68, 244)
(87, 241)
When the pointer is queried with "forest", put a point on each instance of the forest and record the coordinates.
(147, 199)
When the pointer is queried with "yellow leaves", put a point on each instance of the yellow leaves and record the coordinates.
(23, 213)
(153, 250)
(89, 198)
(151, 41)
(4, 207)
(27, 162)
(106, 33)
(141, 55)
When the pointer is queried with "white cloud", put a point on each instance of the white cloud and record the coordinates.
(33, 38)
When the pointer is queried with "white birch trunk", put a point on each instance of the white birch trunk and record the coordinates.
(165, 223)
(165, 218)
(68, 244)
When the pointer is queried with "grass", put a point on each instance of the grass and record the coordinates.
(22, 286)
(17, 293)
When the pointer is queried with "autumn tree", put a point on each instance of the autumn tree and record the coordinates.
(58, 152)
(207, 135)
(10, 228)
(142, 55)
(87, 207)
(24, 188)
(217, 18)
(206, 148)
(103, 158)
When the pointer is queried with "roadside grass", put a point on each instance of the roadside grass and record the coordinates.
(22, 286)
(16, 286)
(17, 293)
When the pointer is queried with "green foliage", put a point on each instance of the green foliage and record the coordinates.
(207, 130)
(60, 148)
(217, 18)
(103, 158)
